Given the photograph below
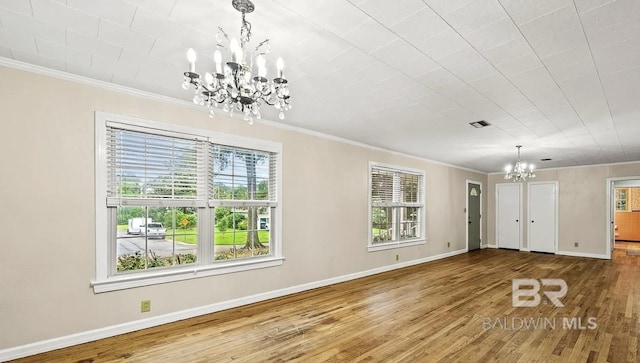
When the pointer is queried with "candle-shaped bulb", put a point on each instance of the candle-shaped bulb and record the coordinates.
(507, 168)
(280, 65)
(233, 47)
(191, 57)
(261, 62)
(217, 57)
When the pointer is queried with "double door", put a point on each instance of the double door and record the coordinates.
(541, 216)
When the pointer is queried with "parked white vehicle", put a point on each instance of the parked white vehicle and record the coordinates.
(137, 225)
(155, 230)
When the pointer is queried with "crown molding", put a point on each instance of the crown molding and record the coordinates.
(11, 63)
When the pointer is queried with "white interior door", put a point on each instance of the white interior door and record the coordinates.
(508, 215)
(542, 216)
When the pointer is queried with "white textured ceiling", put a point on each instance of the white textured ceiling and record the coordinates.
(560, 77)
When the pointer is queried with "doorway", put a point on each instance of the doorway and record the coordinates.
(624, 213)
(474, 215)
(508, 215)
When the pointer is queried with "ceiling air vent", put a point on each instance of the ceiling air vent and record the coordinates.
(479, 124)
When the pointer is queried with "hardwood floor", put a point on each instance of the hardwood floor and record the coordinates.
(453, 310)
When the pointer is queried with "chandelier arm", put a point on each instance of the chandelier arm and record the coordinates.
(224, 34)
(266, 100)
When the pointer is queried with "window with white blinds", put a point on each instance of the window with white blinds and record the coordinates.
(396, 204)
(153, 167)
(242, 175)
(173, 202)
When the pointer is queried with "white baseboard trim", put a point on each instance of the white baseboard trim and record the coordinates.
(106, 332)
(525, 250)
(583, 254)
(492, 246)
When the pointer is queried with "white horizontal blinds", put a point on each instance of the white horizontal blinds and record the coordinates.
(394, 188)
(154, 169)
(410, 189)
(382, 190)
(242, 175)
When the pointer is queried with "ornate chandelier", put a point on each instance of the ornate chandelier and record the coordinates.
(518, 172)
(232, 86)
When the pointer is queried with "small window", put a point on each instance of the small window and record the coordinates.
(621, 199)
(396, 206)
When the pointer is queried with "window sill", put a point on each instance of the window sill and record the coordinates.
(397, 244)
(128, 281)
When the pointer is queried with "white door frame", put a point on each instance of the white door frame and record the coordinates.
(520, 212)
(466, 214)
(610, 198)
(555, 222)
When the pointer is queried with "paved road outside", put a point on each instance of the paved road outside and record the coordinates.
(129, 244)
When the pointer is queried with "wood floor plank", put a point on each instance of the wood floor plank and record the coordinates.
(454, 310)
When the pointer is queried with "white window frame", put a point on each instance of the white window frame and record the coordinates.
(420, 240)
(105, 278)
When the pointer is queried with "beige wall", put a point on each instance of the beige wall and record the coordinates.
(47, 211)
(582, 207)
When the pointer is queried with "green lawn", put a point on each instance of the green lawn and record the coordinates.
(227, 238)
(240, 237)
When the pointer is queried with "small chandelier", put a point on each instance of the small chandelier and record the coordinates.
(518, 172)
(232, 86)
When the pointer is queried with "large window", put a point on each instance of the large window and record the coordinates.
(175, 203)
(396, 206)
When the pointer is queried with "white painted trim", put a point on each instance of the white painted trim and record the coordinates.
(121, 282)
(583, 254)
(556, 195)
(10, 63)
(392, 245)
(525, 250)
(110, 331)
(492, 245)
(466, 222)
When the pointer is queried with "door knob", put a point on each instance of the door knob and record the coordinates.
(532, 221)
(517, 220)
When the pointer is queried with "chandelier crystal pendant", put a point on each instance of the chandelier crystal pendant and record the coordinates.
(234, 87)
(519, 172)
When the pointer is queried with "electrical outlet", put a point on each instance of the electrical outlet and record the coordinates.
(397, 257)
(575, 244)
(145, 306)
